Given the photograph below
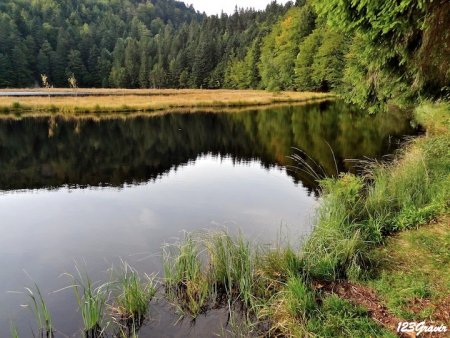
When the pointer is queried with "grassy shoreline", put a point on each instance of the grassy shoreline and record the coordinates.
(358, 216)
(368, 230)
(149, 101)
(111, 115)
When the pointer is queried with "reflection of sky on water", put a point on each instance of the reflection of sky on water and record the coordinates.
(147, 179)
(44, 231)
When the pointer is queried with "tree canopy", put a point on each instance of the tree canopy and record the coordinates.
(371, 52)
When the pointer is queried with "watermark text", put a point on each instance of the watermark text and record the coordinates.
(420, 327)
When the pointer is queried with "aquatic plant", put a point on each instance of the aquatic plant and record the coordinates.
(184, 277)
(41, 312)
(91, 302)
(134, 295)
(231, 265)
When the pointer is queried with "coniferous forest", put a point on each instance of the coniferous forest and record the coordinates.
(389, 52)
(240, 212)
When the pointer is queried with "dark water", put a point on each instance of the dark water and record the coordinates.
(96, 192)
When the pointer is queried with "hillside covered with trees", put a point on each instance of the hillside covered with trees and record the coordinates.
(389, 51)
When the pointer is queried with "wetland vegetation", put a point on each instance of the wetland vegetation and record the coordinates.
(373, 247)
(105, 102)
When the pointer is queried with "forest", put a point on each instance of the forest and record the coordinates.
(389, 52)
(343, 104)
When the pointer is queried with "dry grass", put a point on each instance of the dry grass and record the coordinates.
(12, 114)
(127, 100)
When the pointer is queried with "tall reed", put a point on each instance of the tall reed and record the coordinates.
(40, 311)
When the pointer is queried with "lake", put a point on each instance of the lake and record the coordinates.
(95, 191)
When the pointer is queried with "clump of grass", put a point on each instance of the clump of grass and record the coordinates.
(231, 266)
(91, 302)
(290, 308)
(216, 267)
(278, 263)
(435, 117)
(300, 300)
(336, 245)
(40, 311)
(185, 279)
(135, 294)
(219, 268)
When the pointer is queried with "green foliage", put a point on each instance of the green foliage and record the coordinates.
(329, 61)
(300, 300)
(162, 43)
(339, 318)
(305, 59)
(414, 266)
(242, 74)
(91, 302)
(135, 294)
(390, 56)
(355, 214)
(280, 48)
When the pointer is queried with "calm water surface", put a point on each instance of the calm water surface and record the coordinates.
(95, 192)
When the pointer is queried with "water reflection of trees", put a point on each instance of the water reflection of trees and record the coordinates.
(37, 153)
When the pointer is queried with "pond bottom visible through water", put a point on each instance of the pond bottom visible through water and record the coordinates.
(95, 192)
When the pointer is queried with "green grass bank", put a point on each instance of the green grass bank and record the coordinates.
(360, 217)
(378, 255)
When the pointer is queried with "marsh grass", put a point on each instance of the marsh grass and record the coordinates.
(209, 268)
(110, 100)
(41, 312)
(231, 266)
(91, 302)
(184, 276)
(134, 296)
